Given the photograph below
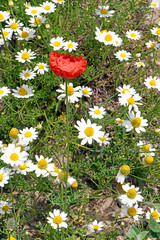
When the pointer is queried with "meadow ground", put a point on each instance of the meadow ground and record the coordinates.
(79, 133)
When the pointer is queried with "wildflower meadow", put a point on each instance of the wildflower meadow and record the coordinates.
(80, 120)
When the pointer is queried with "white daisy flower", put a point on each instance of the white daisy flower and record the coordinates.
(133, 34)
(155, 31)
(28, 134)
(5, 207)
(139, 64)
(7, 33)
(154, 213)
(4, 16)
(152, 82)
(88, 131)
(153, 44)
(97, 112)
(13, 24)
(72, 182)
(132, 212)
(132, 195)
(13, 155)
(57, 219)
(155, 4)
(130, 101)
(33, 11)
(41, 68)
(95, 226)
(104, 139)
(57, 43)
(70, 46)
(43, 166)
(73, 93)
(34, 22)
(120, 122)
(25, 55)
(25, 34)
(4, 91)
(108, 38)
(26, 167)
(99, 34)
(48, 7)
(147, 160)
(4, 176)
(27, 74)
(122, 55)
(86, 91)
(136, 122)
(103, 11)
(123, 172)
(117, 41)
(146, 149)
(125, 88)
(58, 1)
(61, 177)
(23, 92)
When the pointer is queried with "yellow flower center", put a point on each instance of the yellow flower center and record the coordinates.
(152, 82)
(28, 134)
(104, 11)
(1, 177)
(131, 193)
(108, 38)
(1, 17)
(56, 170)
(41, 66)
(11, 238)
(145, 148)
(89, 131)
(123, 55)
(154, 4)
(121, 121)
(1, 91)
(153, 45)
(125, 170)
(47, 7)
(97, 112)
(14, 157)
(74, 184)
(124, 90)
(133, 35)
(104, 31)
(25, 56)
(131, 212)
(24, 34)
(60, 0)
(57, 220)
(62, 176)
(27, 74)
(131, 101)
(102, 138)
(5, 208)
(155, 215)
(148, 160)
(70, 45)
(85, 91)
(14, 25)
(136, 122)
(34, 12)
(57, 44)
(70, 90)
(23, 92)
(22, 167)
(5, 34)
(14, 133)
(158, 31)
(96, 227)
(20, 145)
(42, 164)
(140, 63)
(37, 21)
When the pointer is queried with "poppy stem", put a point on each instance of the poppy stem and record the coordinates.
(67, 142)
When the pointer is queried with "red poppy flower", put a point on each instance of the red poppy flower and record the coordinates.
(66, 66)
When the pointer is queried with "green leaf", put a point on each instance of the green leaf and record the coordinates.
(153, 225)
(133, 233)
(142, 235)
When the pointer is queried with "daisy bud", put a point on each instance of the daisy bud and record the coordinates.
(47, 26)
(77, 105)
(39, 125)
(148, 160)
(10, 3)
(13, 133)
(157, 130)
(38, 37)
(138, 55)
(122, 224)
